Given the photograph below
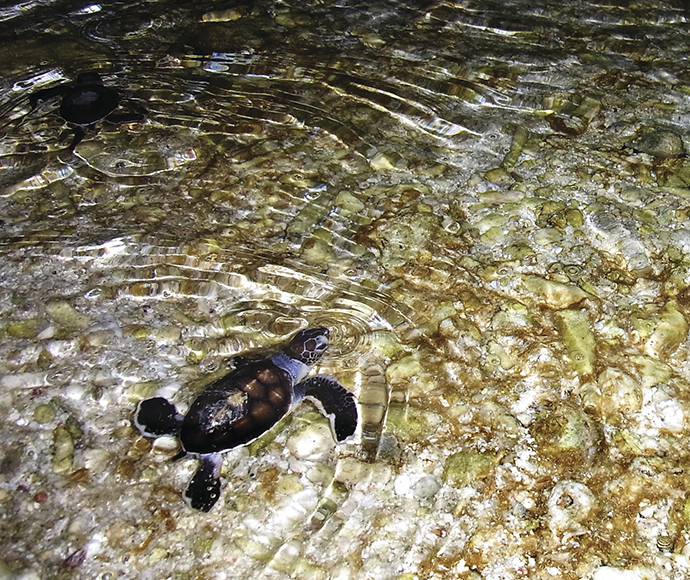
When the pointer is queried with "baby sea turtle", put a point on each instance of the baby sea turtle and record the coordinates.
(245, 404)
(87, 103)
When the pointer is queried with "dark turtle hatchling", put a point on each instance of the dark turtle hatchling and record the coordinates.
(245, 404)
(85, 104)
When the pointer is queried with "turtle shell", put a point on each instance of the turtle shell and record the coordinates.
(87, 104)
(237, 408)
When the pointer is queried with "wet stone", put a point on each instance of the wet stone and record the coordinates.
(313, 442)
(660, 143)
(465, 467)
(66, 315)
(426, 487)
(568, 436)
(570, 504)
(499, 176)
(63, 450)
(555, 294)
(44, 414)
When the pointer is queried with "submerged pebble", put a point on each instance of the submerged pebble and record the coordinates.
(44, 413)
(578, 338)
(465, 467)
(313, 442)
(660, 143)
(570, 504)
(63, 452)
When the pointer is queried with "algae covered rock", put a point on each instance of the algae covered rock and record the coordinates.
(670, 333)
(567, 435)
(44, 413)
(65, 437)
(554, 294)
(402, 239)
(620, 394)
(409, 423)
(63, 450)
(660, 143)
(463, 468)
(578, 338)
(63, 313)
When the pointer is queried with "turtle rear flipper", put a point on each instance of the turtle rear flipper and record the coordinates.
(79, 134)
(157, 416)
(203, 490)
(334, 401)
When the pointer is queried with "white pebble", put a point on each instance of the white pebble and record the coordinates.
(569, 504)
(311, 443)
(75, 391)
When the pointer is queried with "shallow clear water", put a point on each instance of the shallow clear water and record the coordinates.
(486, 203)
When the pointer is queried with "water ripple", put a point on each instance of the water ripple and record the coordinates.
(273, 292)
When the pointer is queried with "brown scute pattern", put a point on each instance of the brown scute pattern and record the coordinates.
(268, 377)
(254, 389)
(243, 427)
(263, 413)
(237, 408)
(277, 397)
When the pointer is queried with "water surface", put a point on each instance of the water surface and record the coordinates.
(487, 204)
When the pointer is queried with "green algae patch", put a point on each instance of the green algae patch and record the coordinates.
(24, 328)
(671, 331)
(568, 436)
(63, 450)
(411, 424)
(573, 326)
(64, 314)
(556, 294)
(463, 468)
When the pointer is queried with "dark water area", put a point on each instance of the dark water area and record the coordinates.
(412, 85)
(485, 202)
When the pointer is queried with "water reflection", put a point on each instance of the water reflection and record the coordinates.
(474, 197)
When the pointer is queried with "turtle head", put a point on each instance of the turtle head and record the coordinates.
(308, 345)
(89, 78)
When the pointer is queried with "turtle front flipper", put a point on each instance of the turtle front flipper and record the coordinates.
(37, 99)
(334, 401)
(135, 113)
(203, 490)
(157, 416)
